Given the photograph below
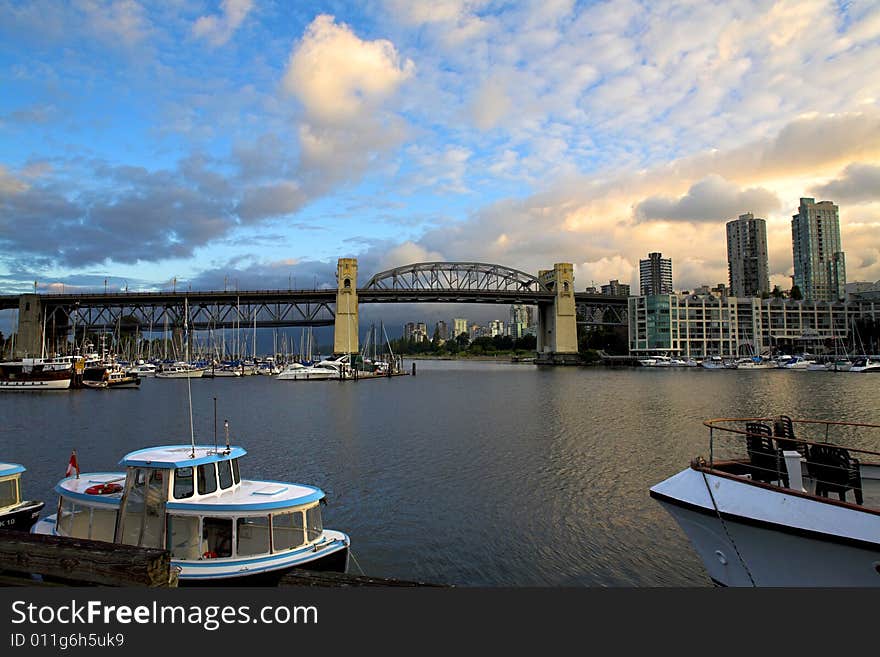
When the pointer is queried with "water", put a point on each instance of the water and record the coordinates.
(470, 473)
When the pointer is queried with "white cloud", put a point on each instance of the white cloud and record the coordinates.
(339, 77)
(711, 199)
(217, 30)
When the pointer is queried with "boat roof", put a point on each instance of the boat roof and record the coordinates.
(179, 456)
(7, 469)
(248, 496)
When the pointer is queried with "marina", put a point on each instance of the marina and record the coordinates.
(427, 474)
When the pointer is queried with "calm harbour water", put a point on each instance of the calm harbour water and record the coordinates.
(469, 473)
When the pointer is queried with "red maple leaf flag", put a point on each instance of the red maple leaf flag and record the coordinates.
(72, 465)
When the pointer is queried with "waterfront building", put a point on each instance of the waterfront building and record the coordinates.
(415, 331)
(698, 325)
(496, 327)
(655, 274)
(747, 256)
(459, 326)
(819, 263)
(617, 289)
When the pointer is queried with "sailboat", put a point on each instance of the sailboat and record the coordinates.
(182, 369)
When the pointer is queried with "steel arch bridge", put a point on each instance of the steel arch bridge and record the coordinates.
(456, 277)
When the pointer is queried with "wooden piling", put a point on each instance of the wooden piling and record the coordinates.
(37, 559)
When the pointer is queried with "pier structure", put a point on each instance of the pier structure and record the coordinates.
(44, 320)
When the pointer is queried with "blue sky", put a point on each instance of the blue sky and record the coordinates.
(257, 142)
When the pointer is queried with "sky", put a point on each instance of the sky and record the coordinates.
(250, 144)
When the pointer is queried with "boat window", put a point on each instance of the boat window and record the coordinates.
(216, 537)
(132, 511)
(252, 535)
(153, 534)
(183, 483)
(8, 492)
(73, 520)
(225, 474)
(287, 530)
(207, 479)
(183, 537)
(313, 522)
(103, 524)
(236, 476)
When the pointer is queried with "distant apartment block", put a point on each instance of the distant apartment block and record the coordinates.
(819, 263)
(496, 327)
(747, 256)
(617, 289)
(442, 330)
(459, 326)
(655, 274)
(702, 324)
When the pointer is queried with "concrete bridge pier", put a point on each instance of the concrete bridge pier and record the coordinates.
(29, 338)
(345, 327)
(557, 321)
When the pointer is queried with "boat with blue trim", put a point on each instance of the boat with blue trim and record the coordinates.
(192, 501)
(16, 513)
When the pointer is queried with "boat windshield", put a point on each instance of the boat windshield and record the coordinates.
(142, 516)
(8, 492)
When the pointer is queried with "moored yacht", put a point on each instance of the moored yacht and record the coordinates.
(29, 374)
(16, 513)
(760, 511)
(866, 364)
(180, 370)
(192, 501)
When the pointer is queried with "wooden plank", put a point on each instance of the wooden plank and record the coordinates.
(83, 562)
(300, 577)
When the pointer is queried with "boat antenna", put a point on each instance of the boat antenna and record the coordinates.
(215, 424)
(226, 429)
(192, 435)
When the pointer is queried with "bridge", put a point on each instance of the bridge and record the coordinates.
(560, 308)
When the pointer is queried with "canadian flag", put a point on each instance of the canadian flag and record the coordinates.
(72, 465)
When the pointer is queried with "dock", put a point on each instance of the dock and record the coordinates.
(56, 561)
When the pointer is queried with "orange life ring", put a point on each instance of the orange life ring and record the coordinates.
(103, 489)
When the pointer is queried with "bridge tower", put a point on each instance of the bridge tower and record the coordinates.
(29, 341)
(557, 321)
(345, 328)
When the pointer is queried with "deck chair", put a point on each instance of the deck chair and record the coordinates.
(783, 431)
(766, 460)
(835, 471)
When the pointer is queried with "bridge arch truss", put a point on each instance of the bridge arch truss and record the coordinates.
(463, 277)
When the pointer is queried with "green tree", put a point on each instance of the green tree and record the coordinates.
(777, 292)
(795, 293)
(463, 340)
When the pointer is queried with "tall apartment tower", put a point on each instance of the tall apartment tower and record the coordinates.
(747, 256)
(655, 274)
(819, 264)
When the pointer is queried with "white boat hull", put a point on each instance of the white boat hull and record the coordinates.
(57, 384)
(191, 374)
(765, 537)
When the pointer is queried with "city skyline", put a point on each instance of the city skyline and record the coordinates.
(252, 144)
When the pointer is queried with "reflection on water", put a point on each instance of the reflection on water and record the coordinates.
(469, 473)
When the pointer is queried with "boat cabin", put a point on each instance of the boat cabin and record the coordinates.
(10, 487)
(191, 501)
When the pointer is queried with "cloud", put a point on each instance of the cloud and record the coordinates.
(217, 30)
(859, 183)
(122, 22)
(271, 201)
(711, 199)
(339, 77)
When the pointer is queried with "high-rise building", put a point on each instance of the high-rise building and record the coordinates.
(496, 327)
(616, 289)
(442, 330)
(819, 264)
(747, 256)
(459, 326)
(521, 321)
(655, 275)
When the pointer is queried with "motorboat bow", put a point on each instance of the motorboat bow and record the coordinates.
(16, 513)
(772, 508)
